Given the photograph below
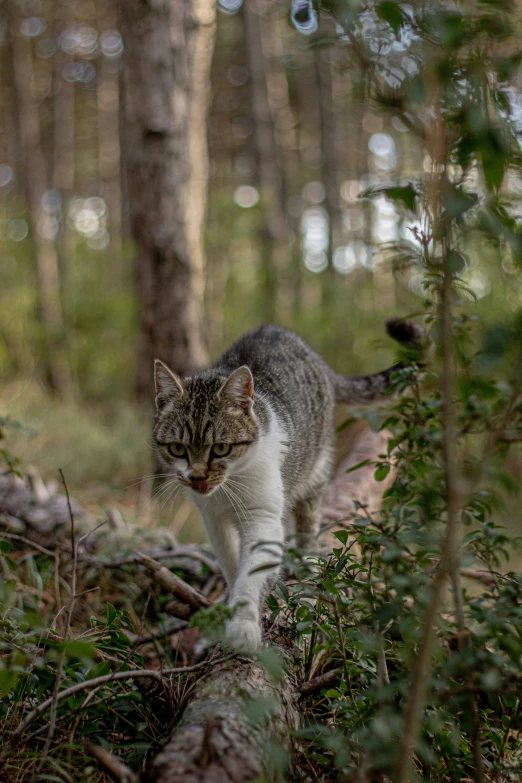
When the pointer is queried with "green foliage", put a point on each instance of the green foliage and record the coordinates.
(445, 73)
(361, 610)
(364, 610)
(128, 716)
(32, 654)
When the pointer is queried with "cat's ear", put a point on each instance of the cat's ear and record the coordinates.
(238, 391)
(168, 386)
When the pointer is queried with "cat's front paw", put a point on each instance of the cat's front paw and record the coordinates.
(243, 635)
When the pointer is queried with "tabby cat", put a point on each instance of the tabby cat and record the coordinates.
(252, 440)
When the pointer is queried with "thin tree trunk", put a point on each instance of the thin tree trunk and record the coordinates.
(109, 152)
(285, 125)
(36, 177)
(330, 167)
(168, 50)
(63, 177)
(268, 164)
(108, 96)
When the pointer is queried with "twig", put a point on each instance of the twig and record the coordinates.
(206, 746)
(61, 659)
(183, 551)
(90, 532)
(449, 564)
(89, 590)
(179, 609)
(57, 595)
(325, 680)
(173, 583)
(179, 551)
(342, 650)
(157, 633)
(24, 540)
(156, 674)
(115, 768)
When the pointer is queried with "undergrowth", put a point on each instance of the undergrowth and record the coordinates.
(361, 611)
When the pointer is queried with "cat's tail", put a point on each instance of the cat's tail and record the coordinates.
(367, 389)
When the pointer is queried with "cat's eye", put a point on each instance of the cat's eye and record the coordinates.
(177, 450)
(221, 449)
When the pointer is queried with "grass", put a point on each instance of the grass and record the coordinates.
(104, 452)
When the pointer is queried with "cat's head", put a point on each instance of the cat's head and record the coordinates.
(204, 424)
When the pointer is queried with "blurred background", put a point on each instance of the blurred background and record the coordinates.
(102, 215)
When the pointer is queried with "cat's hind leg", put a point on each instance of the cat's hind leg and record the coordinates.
(307, 516)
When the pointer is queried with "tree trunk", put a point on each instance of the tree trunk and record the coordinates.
(168, 50)
(217, 740)
(269, 168)
(37, 183)
(108, 96)
(63, 179)
(330, 166)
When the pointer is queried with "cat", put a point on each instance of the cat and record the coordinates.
(252, 439)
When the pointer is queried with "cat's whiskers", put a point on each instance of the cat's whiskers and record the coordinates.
(162, 486)
(164, 489)
(240, 502)
(242, 488)
(171, 496)
(147, 478)
(235, 505)
(227, 496)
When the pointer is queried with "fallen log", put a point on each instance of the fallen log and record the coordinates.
(236, 726)
(237, 723)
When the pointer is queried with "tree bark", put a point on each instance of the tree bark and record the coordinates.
(36, 185)
(109, 162)
(217, 741)
(331, 165)
(168, 50)
(269, 167)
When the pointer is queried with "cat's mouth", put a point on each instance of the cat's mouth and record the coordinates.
(201, 486)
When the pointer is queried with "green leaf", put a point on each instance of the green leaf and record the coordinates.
(393, 14)
(359, 465)
(346, 424)
(450, 27)
(455, 263)
(272, 661)
(404, 195)
(342, 536)
(111, 613)
(282, 591)
(494, 154)
(332, 693)
(416, 91)
(456, 202)
(5, 547)
(382, 471)
(77, 648)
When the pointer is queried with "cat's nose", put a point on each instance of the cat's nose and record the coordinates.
(198, 473)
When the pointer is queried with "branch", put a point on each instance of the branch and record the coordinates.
(115, 768)
(133, 674)
(174, 584)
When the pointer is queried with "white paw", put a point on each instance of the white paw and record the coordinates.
(243, 635)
